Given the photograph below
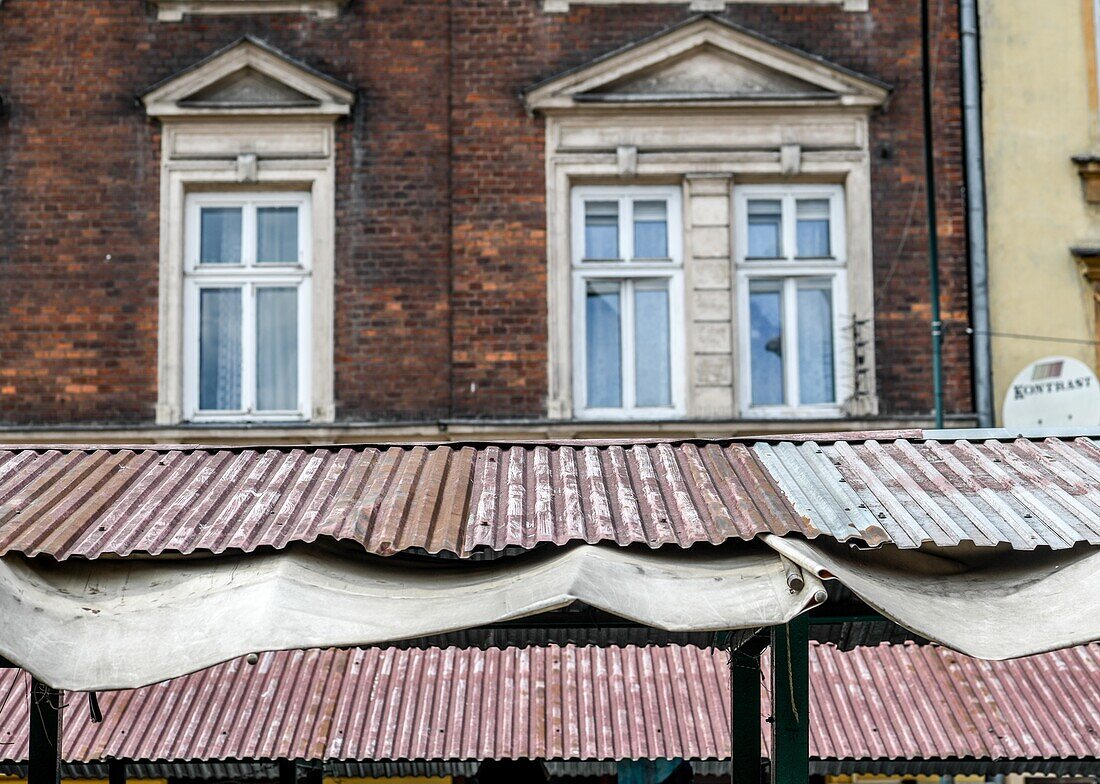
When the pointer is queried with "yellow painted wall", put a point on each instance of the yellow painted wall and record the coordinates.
(1039, 111)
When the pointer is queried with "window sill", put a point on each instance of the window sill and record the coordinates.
(562, 6)
(174, 10)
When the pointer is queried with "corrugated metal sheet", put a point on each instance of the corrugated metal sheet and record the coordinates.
(904, 702)
(457, 499)
(1021, 492)
(454, 499)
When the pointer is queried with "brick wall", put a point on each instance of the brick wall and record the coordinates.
(441, 231)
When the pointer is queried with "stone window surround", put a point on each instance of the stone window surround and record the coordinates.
(265, 142)
(175, 10)
(712, 174)
(703, 6)
(181, 177)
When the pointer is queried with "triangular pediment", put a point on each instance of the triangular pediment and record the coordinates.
(707, 60)
(248, 77)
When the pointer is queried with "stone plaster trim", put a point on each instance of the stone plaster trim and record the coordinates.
(562, 6)
(174, 10)
(708, 177)
(181, 176)
(221, 147)
(836, 84)
(326, 96)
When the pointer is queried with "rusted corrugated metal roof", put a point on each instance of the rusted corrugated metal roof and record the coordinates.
(444, 498)
(888, 702)
(92, 502)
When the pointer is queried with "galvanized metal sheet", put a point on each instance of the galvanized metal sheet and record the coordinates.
(1020, 492)
(891, 702)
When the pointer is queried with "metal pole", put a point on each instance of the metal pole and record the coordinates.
(288, 772)
(975, 211)
(745, 715)
(116, 772)
(45, 734)
(933, 230)
(791, 702)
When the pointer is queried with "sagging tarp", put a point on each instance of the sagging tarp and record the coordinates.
(990, 604)
(110, 624)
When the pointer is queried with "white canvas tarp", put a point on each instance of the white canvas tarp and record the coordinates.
(108, 624)
(991, 604)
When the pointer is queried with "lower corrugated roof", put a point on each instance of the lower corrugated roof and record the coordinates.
(891, 702)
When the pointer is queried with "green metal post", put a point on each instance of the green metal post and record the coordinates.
(791, 702)
(45, 735)
(745, 716)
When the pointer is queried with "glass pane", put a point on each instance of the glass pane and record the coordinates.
(603, 344)
(652, 369)
(650, 230)
(220, 235)
(813, 228)
(277, 349)
(766, 342)
(765, 228)
(601, 230)
(815, 343)
(277, 234)
(220, 349)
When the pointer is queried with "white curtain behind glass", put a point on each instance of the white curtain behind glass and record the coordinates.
(220, 349)
(815, 343)
(276, 349)
(603, 336)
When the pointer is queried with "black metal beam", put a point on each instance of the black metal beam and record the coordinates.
(116, 772)
(745, 714)
(791, 702)
(45, 734)
(288, 772)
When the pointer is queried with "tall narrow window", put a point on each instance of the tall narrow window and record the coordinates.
(791, 284)
(246, 302)
(628, 313)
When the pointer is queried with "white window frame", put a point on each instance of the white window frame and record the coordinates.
(247, 276)
(789, 269)
(627, 269)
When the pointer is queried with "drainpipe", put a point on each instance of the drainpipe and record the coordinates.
(973, 141)
(933, 230)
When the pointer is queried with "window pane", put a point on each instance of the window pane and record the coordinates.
(220, 235)
(277, 234)
(815, 343)
(603, 338)
(765, 228)
(652, 368)
(220, 349)
(650, 230)
(276, 349)
(813, 228)
(601, 230)
(766, 342)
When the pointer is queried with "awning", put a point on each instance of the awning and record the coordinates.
(106, 554)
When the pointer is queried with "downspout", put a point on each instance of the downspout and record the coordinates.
(973, 142)
(933, 230)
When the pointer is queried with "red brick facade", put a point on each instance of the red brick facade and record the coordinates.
(440, 201)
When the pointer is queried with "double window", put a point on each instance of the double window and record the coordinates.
(790, 256)
(627, 302)
(246, 306)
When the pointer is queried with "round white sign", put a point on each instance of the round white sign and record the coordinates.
(1053, 392)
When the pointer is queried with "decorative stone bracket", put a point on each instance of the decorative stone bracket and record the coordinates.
(1088, 166)
(1088, 256)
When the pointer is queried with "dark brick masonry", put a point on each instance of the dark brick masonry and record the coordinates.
(441, 229)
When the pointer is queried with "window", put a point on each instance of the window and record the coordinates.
(246, 306)
(627, 295)
(791, 271)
